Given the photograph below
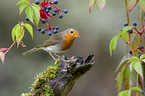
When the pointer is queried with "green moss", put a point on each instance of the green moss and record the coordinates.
(40, 86)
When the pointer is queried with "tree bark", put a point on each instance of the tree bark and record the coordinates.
(70, 70)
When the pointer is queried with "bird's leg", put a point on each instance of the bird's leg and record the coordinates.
(52, 56)
(56, 55)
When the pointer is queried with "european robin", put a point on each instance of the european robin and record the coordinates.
(57, 43)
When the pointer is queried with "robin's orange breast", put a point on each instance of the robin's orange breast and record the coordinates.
(66, 44)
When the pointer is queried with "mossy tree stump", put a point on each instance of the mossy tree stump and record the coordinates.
(59, 80)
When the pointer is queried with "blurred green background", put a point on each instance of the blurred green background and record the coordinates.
(96, 30)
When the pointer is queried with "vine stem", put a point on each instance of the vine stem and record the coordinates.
(15, 40)
(130, 42)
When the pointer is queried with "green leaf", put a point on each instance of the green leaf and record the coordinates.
(36, 14)
(136, 88)
(138, 68)
(142, 56)
(140, 14)
(91, 4)
(19, 34)
(124, 35)
(14, 31)
(101, 4)
(113, 44)
(2, 57)
(124, 93)
(135, 43)
(142, 5)
(29, 13)
(143, 60)
(30, 29)
(119, 81)
(123, 60)
(133, 58)
(22, 7)
(131, 4)
(37, 6)
(127, 28)
(23, 2)
(132, 65)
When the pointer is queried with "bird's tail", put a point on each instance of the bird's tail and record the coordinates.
(31, 51)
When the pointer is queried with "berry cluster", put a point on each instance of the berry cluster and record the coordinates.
(45, 14)
(139, 49)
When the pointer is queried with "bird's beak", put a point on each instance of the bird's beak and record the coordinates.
(77, 36)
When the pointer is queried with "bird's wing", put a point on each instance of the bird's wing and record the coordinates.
(54, 39)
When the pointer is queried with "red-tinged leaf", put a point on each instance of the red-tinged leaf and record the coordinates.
(3, 49)
(142, 5)
(101, 4)
(91, 4)
(46, 15)
(126, 76)
(49, 15)
(2, 57)
(131, 4)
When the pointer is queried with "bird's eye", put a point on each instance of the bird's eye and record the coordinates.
(71, 32)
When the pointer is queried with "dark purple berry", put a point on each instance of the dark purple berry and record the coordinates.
(130, 52)
(130, 31)
(47, 11)
(121, 29)
(43, 8)
(125, 24)
(39, 29)
(55, 10)
(49, 7)
(27, 19)
(43, 31)
(65, 11)
(53, 14)
(56, 27)
(43, 21)
(141, 47)
(134, 24)
(139, 55)
(60, 16)
(36, 2)
(49, 33)
(54, 31)
(55, 1)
